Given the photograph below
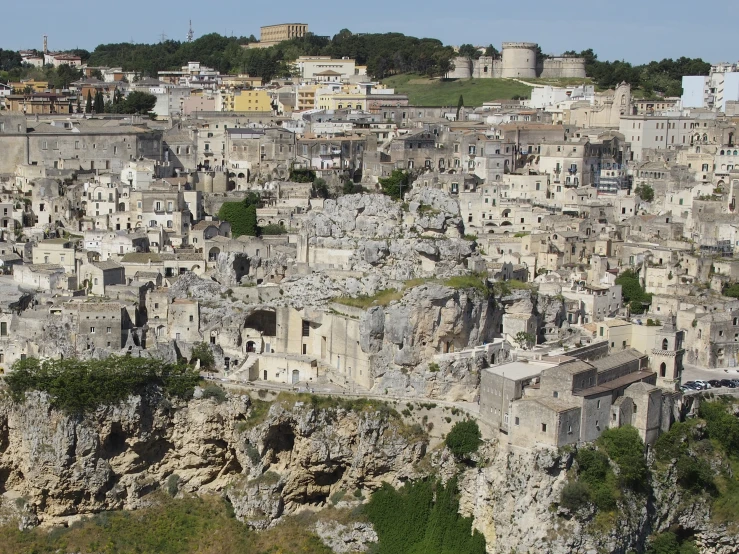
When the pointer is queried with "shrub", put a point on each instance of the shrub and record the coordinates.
(433, 367)
(337, 497)
(241, 216)
(625, 447)
(476, 281)
(80, 386)
(215, 392)
(273, 229)
(575, 495)
(173, 484)
(464, 438)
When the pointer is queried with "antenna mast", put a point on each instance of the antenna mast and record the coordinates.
(190, 33)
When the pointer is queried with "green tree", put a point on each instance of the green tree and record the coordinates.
(348, 187)
(138, 103)
(645, 192)
(99, 102)
(397, 185)
(525, 340)
(460, 105)
(625, 447)
(202, 353)
(320, 188)
(88, 105)
(632, 291)
(464, 439)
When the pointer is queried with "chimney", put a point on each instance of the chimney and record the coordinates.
(45, 44)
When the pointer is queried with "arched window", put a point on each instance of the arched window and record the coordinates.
(665, 344)
(663, 370)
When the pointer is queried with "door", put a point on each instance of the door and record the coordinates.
(296, 376)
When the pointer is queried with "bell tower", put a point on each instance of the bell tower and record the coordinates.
(666, 359)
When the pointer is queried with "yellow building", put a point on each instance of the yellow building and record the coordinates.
(246, 101)
(340, 100)
(35, 86)
(241, 81)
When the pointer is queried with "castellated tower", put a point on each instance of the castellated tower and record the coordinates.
(519, 60)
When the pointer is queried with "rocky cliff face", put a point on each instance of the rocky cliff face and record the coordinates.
(515, 503)
(53, 467)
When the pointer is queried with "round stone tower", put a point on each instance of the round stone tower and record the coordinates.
(519, 60)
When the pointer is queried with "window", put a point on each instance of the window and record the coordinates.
(92, 329)
(192, 318)
(598, 405)
(516, 421)
(3, 329)
(543, 427)
(555, 394)
(306, 328)
(108, 329)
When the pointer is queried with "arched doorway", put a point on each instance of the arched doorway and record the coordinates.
(250, 347)
(213, 254)
(296, 376)
(663, 370)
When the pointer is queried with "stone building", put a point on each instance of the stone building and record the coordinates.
(518, 60)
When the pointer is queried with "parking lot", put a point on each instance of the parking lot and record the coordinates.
(692, 373)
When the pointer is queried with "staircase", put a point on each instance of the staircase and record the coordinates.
(243, 372)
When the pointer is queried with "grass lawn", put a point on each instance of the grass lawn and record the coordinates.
(422, 91)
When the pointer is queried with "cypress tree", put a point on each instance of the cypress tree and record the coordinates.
(88, 105)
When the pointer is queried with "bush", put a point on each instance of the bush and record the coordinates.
(464, 439)
(241, 216)
(397, 185)
(173, 484)
(575, 495)
(80, 386)
(625, 447)
(594, 471)
(215, 392)
(273, 229)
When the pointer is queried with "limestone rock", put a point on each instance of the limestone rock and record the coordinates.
(343, 539)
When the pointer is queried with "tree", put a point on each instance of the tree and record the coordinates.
(397, 185)
(632, 291)
(469, 51)
(645, 192)
(88, 105)
(99, 102)
(138, 103)
(492, 51)
(525, 340)
(464, 439)
(320, 188)
(460, 105)
(348, 187)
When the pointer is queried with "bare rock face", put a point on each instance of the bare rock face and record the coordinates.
(66, 466)
(343, 539)
(431, 318)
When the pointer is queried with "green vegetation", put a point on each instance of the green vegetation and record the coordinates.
(170, 526)
(732, 291)
(203, 353)
(504, 288)
(625, 447)
(594, 481)
(302, 176)
(706, 456)
(77, 386)
(477, 281)
(464, 439)
(525, 340)
(215, 392)
(397, 185)
(446, 92)
(241, 215)
(430, 524)
(669, 543)
(645, 192)
(633, 292)
(272, 229)
(363, 301)
(664, 76)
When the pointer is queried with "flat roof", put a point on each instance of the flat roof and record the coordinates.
(519, 370)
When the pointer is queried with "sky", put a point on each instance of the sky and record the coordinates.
(631, 30)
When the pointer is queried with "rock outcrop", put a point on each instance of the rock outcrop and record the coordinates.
(64, 466)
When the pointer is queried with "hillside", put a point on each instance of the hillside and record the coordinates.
(422, 91)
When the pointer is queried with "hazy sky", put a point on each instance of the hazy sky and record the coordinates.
(633, 30)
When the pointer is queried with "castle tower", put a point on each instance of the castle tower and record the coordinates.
(519, 60)
(666, 358)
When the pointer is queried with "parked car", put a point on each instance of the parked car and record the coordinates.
(703, 384)
(715, 383)
(728, 383)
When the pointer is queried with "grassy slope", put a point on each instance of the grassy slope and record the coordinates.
(203, 526)
(426, 92)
